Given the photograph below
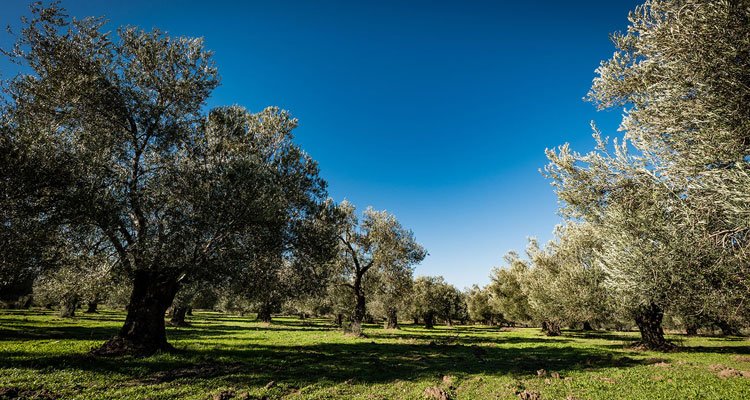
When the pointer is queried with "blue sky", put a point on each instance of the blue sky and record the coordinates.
(436, 111)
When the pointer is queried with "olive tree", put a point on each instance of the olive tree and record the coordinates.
(176, 194)
(566, 283)
(392, 288)
(30, 244)
(433, 298)
(480, 307)
(377, 243)
(680, 72)
(83, 279)
(508, 297)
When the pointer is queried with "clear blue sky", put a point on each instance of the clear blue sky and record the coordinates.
(436, 111)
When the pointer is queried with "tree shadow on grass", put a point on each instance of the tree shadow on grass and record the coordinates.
(59, 333)
(458, 337)
(254, 362)
(362, 362)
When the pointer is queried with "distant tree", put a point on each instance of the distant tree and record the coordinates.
(481, 308)
(378, 243)
(176, 194)
(566, 283)
(30, 243)
(295, 270)
(425, 298)
(434, 299)
(507, 292)
(84, 278)
(392, 288)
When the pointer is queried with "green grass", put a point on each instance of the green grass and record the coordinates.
(45, 355)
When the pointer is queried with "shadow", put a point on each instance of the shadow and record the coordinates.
(59, 333)
(457, 337)
(383, 356)
(715, 350)
(364, 362)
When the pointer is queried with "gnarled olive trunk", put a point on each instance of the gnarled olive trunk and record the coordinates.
(551, 328)
(92, 307)
(691, 326)
(340, 320)
(264, 313)
(587, 326)
(649, 318)
(360, 307)
(727, 329)
(416, 320)
(429, 320)
(391, 321)
(143, 332)
(177, 317)
(68, 306)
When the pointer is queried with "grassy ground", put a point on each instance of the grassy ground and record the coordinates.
(46, 357)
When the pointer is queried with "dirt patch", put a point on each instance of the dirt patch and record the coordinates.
(716, 367)
(607, 379)
(732, 373)
(17, 393)
(742, 358)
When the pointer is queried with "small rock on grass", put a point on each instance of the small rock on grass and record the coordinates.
(529, 395)
(224, 395)
(436, 393)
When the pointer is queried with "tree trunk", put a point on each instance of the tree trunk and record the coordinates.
(691, 329)
(391, 321)
(68, 306)
(92, 307)
(449, 322)
(429, 321)
(551, 328)
(587, 326)
(178, 316)
(264, 313)
(143, 332)
(649, 318)
(416, 320)
(360, 308)
(190, 311)
(727, 329)
(340, 320)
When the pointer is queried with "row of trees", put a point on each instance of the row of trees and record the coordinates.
(655, 222)
(114, 172)
(424, 300)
